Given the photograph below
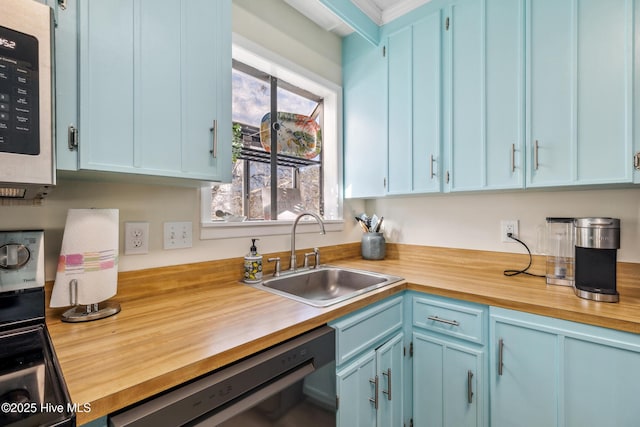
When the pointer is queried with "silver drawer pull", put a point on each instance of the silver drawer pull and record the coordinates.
(500, 356)
(388, 391)
(446, 321)
(374, 400)
(214, 130)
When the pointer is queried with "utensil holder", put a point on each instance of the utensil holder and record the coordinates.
(373, 246)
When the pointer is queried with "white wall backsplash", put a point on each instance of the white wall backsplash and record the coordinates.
(472, 220)
(156, 205)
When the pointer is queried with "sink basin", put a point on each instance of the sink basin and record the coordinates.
(326, 285)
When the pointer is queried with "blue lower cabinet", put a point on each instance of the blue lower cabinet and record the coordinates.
(447, 383)
(370, 389)
(370, 363)
(390, 372)
(449, 362)
(355, 388)
(524, 377)
(602, 381)
(548, 372)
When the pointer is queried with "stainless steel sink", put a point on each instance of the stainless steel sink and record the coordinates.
(326, 285)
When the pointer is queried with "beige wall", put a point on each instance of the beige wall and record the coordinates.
(472, 220)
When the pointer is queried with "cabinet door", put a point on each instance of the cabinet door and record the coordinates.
(447, 383)
(66, 52)
(636, 92)
(524, 364)
(427, 104)
(414, 106)
(205, 90)
(601, 382)
(365, 118)
(154, 87)
(485, 95)
(390, 361)
(464, 96)
(504, 94)
(580, 81)
(400, 139)
(355, 387)
(106, 32)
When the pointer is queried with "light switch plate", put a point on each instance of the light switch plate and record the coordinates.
(178, 235)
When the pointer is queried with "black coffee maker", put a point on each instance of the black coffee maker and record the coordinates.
(597, 243)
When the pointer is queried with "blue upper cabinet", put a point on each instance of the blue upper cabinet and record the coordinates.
(636, 94)
(400, 115)
(507, 94)
(154, 91)
(579, 92)
(484, 95)
(365, 117)
(414, 110)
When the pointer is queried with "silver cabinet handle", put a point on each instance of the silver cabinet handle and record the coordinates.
(214, 130)
(374, 400)
(469, 386)
(513, 158)
(431, 173)
(388, 391)
(500, 356)
(535, 155)
(636, 161)
(72, 137)
(446, 321)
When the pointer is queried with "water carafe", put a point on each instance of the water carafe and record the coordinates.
(560, 251)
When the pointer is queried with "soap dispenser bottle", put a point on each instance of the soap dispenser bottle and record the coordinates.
(253, 264)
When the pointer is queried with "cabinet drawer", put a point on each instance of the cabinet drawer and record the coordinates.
(457, 319)
(367, 328)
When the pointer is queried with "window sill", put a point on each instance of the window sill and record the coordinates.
(227, 230)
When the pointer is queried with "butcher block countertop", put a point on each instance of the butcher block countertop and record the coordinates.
(180, 322)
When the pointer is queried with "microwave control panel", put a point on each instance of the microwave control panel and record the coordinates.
(19, 117)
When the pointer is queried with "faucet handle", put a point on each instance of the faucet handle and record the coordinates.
(306, 258)
(316, 251)
(316, 255)
(276, 272)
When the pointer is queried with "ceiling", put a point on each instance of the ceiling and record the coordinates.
(380, 12)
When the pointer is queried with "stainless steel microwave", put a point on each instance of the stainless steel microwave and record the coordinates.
(27, 156)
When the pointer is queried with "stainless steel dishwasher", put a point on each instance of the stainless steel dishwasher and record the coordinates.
(290, 384)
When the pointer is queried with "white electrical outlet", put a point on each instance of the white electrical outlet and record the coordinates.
(178, 235)
(506, 227)
(136, 238)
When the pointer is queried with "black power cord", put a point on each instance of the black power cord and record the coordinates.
(525, 270)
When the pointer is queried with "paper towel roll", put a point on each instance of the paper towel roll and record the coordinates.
(89, 254)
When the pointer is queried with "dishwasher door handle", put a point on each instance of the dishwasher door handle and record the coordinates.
(253, 398)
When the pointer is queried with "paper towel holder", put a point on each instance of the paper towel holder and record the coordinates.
(87, 272)
(85, 313)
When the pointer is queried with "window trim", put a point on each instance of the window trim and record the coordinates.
(245, 51)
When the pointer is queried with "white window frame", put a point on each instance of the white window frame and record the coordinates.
(246, 51)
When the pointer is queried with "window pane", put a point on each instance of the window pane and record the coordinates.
(251, 98)
(299, 186)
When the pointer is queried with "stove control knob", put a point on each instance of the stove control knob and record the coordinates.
(13, 256)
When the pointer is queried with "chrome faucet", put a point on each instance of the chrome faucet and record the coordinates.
(292, 265)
